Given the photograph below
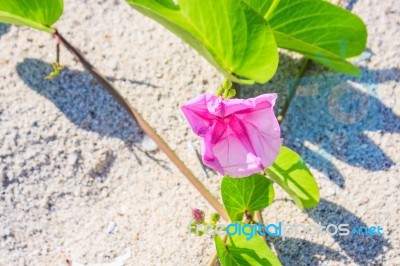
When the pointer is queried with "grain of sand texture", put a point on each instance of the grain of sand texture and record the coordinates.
(78, 183)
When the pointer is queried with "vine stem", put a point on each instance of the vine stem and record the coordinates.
(213, 259)
(58, 52)
(163, 146)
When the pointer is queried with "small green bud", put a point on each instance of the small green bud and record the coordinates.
(214, 217)
(230, 93)
(195, 229)
(227, 84)
(220, 90)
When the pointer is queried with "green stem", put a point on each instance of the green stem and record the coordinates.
(58, 53)
(219, 91)
(292, 90)
(146, 128)
(271, 9)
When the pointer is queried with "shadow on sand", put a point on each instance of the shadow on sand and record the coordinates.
(80, 99)
(364, 250)
(339, 108)
(4, 28)
(329, 116)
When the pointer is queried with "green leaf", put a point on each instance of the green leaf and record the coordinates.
(242, 252)
(261, 6)
(291, 173)
(38, 14)
(317, 29)
(249, 194)
(228, 33)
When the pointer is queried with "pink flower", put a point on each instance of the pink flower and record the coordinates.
(239, 137)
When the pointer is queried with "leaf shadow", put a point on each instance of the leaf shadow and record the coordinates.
(296, 251)
(86, 105)
(329, 115)
(4, 28)
(364, 250)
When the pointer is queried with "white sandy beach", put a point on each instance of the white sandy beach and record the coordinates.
(78, 183)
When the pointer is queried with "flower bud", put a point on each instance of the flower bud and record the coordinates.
(198, 215)
(227, 84)
(215, 217)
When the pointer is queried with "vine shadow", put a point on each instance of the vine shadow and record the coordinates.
(329, 115)
(362, 249)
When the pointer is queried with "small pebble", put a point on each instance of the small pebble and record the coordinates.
(325, 174)
(72, 158)
(123, 210)
(104, 193)
(364, 56)
(10, 176)
(6, 232)
(364, 146)
(111, 227)
(330, 192)
(122, 259)
(148, 144)
(112, 64)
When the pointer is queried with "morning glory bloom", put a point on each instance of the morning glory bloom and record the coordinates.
(240, 137)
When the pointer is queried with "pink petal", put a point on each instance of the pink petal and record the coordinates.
(263, 131)
(225, 107)
(197, 114)
(235, 152)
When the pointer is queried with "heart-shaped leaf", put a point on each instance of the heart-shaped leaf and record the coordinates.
(292, 174)
(249, 194)
(238, 251)
(228, 33)
(317, 29)
(38, 14)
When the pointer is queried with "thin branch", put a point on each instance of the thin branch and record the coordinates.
(213, 259)
(58, 53)
(58, 41)
(258, 219)
(146, 128)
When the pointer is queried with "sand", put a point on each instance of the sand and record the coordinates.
(79, 183)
